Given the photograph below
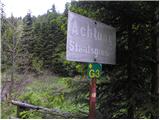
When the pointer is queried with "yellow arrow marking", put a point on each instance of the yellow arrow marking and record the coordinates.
(90, 66)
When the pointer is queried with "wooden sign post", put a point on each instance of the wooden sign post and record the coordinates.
(94, 72)
(93, 42)
(92, 99)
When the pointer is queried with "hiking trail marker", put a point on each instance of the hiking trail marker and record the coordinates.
(93, 42)
(94, 70)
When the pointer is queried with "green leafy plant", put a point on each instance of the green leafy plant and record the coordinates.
(37, 65)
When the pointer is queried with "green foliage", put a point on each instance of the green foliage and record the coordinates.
(30, 115)
(126, 90)
(7, 111)
(79, 68)
(37, 65)
(51, 93)
(10, 41)
(31, 97)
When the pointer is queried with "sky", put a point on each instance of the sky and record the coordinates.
(37, 7)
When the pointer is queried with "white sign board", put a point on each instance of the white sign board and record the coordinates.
(90, 41)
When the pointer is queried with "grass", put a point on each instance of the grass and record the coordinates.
(47, 91)
(7, 110)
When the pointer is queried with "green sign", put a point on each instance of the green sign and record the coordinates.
(94, 70)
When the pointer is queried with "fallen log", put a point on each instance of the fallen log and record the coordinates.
(23, 105)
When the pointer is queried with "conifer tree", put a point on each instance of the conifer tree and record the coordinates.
(26, 44)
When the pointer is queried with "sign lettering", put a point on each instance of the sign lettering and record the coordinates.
(90, 41)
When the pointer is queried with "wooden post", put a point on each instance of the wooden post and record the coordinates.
(19, 110)
(92, 99)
